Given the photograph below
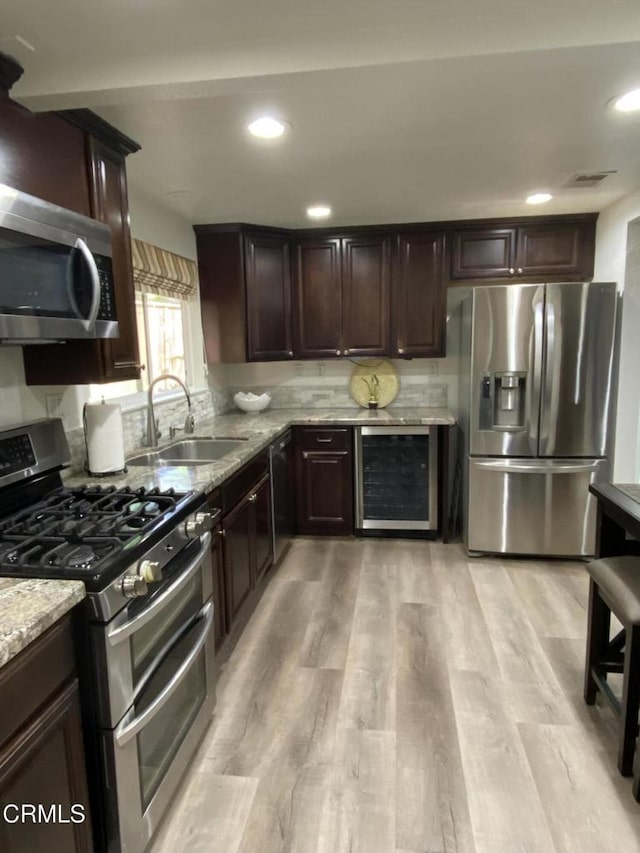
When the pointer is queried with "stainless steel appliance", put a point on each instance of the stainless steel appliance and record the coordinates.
(145, 640)
(396, 478)
(282, 503)
(539, 389)
(56, 281)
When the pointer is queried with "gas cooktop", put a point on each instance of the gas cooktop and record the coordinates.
(89, 533)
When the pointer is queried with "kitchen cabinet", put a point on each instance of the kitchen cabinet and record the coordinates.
(217, 570)
(245, 293)
(555, 249)
(81, 362)
(247, 537)
(41, 747)
(419, 296)
(324, 480)
(343, 290)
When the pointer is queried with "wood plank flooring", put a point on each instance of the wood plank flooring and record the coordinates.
(394, 696)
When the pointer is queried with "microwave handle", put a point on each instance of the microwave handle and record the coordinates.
(90, 322)
(127, 730)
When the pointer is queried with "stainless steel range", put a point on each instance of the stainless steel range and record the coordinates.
(145, 638)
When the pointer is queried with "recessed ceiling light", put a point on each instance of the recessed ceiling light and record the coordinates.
(628, 103)
(539, 198)
(267, 127)
(318, 211)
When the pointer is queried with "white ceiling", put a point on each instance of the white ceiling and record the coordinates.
(401, 111)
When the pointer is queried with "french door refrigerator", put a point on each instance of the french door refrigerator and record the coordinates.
(540, 392)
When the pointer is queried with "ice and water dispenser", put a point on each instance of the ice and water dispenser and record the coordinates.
(502, 401)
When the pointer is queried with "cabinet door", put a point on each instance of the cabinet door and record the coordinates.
(219, 597)
(263, 528)
(44, 764)
(109, 182)
(483, 253)
(551, 250)
(325, 493)
(43, 155)
(420, 303)
(319, 299)
(366, 274)
(268, 293)
(238, 532)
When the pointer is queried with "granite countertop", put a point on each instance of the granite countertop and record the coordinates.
(28, 607)
(259, 430)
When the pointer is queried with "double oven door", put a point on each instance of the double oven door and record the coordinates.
(156, 693)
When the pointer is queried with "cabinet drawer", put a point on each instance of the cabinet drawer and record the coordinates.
(33, 676)
(322, 438)
(239, 484)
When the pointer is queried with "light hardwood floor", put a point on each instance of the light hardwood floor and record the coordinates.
(393, 696)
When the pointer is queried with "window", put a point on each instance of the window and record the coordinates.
(161, 336)
(161, 324)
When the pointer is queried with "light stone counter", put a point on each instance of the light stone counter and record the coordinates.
(28, 607)
(259, 430)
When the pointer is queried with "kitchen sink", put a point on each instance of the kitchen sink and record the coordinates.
(189, 451)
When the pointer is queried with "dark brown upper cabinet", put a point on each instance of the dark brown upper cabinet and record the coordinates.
(245, 293)
(342, 288)
(419, 296)
(318, 298)
(102, 159)
(555, 249)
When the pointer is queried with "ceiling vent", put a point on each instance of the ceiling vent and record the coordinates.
(587, 180)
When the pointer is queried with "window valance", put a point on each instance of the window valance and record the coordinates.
(157, 271)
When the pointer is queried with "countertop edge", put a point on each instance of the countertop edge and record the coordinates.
(29, 607)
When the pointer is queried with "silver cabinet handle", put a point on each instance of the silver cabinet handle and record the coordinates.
(400, 349)
(117, 635)
(127, 730)
(324, 440)
(290, 353)
(346, 352)
(337, 352)
(519, 270)
(253, 498)
(511, 270)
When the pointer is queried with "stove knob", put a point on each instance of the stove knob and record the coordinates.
(198, 524)
(133, 586)
(150, 571)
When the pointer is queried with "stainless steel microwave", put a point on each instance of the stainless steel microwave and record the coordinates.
(56, 280)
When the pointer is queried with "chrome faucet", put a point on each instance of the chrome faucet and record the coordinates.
(153, 433)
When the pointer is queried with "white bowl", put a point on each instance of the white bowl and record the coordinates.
(251, 402)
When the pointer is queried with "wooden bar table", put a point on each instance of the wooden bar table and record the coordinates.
(618, 522)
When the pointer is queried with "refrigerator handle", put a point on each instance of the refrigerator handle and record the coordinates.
(549, 368)
(535, 386)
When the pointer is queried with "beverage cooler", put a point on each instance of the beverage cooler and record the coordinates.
(396, 478)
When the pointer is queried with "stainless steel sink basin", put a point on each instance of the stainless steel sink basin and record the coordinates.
(189, 451)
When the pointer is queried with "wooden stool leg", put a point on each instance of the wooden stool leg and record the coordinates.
(597, 640)
(630, 701)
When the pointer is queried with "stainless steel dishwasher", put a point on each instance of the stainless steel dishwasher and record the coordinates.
(282, 501)
(396, 478)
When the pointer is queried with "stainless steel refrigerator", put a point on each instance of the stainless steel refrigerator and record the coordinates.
(539, 390)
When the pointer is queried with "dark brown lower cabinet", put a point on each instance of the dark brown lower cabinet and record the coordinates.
(237, 531)
(44, 802)
(324, 481)
(247, 537)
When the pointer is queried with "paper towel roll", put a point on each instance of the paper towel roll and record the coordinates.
(104, 437)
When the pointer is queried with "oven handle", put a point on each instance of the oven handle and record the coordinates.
(128, 730)
(117, 635)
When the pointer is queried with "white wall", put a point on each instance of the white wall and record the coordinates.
(618, 259)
